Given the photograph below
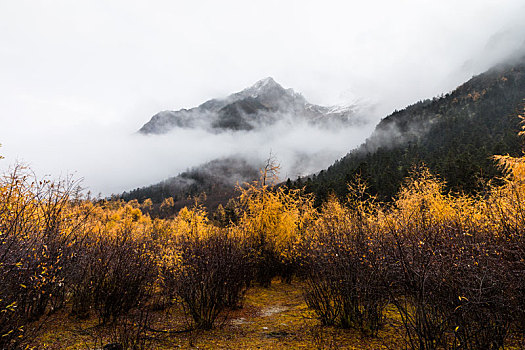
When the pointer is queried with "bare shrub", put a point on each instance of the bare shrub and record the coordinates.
(207, 269)
(448, 278)
(36, 229)
(118, 270)
(343, 270)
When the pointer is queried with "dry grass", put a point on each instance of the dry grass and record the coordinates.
(271, 318)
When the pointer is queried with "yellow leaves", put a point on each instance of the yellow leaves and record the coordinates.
(191, 221)
(8, 333)
(422, 198)
(274, 217)
(11, 307)
(513, 167)
(115, 217)
(167, 204)
(147, 204)
(170, 259)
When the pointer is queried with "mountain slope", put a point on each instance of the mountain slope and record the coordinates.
(454, 135)
(262, 104)
(248, 125)
(217, 178)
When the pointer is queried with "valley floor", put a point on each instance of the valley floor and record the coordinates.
(272, 318)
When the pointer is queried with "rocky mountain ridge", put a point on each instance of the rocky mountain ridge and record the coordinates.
(263, 104)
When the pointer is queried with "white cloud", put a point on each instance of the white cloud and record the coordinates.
(85, 73)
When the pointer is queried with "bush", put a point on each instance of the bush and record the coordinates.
(343, 270)
(206, 268)
(272, 223)
(118, 265)
(448, 279)
(38, 224)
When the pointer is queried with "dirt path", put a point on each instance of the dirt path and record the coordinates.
(271, 318)
(276, 318)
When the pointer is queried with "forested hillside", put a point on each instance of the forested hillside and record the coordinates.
(454, 135)
(217, 179)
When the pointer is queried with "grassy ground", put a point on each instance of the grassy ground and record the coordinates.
(272, 318)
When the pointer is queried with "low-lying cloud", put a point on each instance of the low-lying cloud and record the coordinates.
(111, 160)
(78, 79)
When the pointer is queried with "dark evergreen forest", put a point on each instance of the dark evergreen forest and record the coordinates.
(454, 135)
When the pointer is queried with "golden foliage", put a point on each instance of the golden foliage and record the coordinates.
(275, 217)
(274, 223)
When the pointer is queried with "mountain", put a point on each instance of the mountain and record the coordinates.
(263, 118)
(263, 104)
(454, 135)
(217, 178)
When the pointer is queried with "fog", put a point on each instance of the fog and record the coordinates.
(78, 79)
(110, 161)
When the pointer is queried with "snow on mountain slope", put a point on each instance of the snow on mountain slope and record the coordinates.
(262, 104)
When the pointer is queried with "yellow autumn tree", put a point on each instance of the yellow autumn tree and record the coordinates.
(273, 220)
(167, 206)
(506, 202)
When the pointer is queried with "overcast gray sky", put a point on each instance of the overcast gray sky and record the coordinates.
(77, 76)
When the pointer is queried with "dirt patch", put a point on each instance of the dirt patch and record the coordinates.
(271, 310)
(239, 321)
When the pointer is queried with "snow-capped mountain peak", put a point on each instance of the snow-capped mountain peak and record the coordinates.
(263, 87)
(263, 103)
(266, 82)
